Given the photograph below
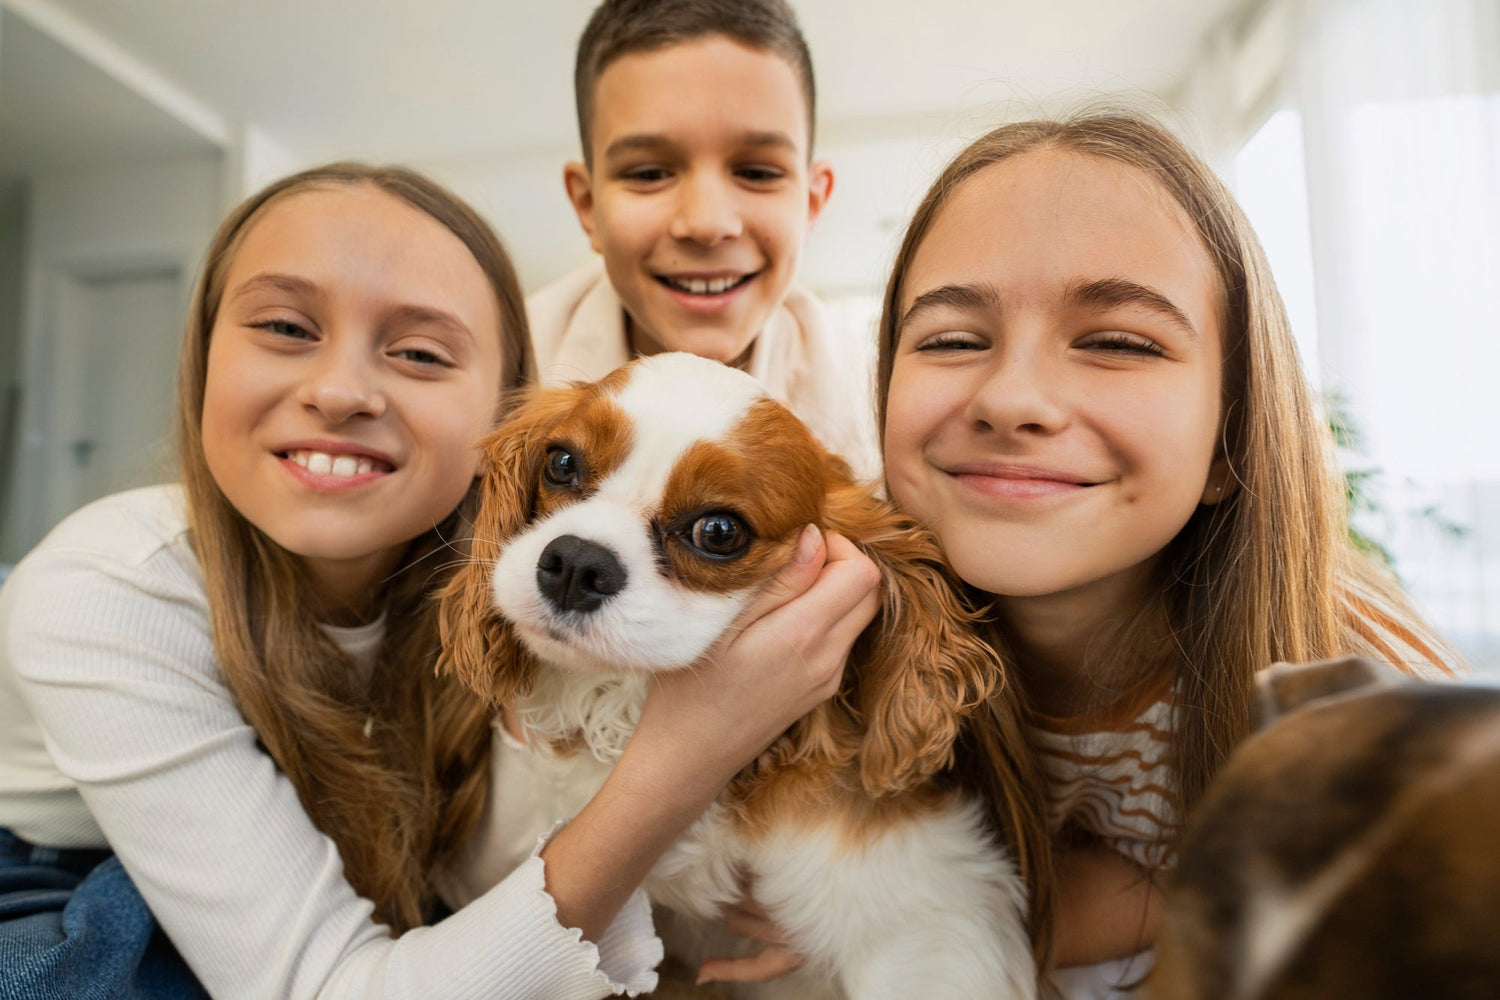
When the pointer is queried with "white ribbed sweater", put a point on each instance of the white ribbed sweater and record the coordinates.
(115, 730)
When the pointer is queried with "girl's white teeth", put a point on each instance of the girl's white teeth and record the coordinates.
(322, 464)
(705, 286)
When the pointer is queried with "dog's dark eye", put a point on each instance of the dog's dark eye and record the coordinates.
(561, 468)
(720, 534)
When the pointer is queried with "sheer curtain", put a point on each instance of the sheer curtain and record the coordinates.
(1399, 109)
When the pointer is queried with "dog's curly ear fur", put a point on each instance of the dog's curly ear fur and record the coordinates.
(479, 646)
(921, 670)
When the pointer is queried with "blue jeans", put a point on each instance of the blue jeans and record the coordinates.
(72, 925)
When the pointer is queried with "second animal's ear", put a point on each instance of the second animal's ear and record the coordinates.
(924, 669)
(1285, 687)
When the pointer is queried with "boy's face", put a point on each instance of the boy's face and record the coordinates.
(701, 194)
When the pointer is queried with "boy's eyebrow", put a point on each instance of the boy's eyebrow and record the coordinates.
(977, 296)
(1110, 293)
(651, 141)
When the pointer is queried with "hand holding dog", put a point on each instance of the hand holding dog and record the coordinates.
(785, 656)
(699, 726)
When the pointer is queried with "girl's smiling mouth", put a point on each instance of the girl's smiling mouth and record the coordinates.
(324, 465)
(1017, 482)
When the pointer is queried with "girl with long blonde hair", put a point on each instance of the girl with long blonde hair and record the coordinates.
(1088, 388)
(219, 717)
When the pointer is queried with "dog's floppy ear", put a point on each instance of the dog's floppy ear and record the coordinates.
(479, 646)
(920, 670)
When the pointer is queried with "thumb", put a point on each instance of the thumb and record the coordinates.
(793, 579)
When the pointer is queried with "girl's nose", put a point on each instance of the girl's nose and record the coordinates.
(340, 388)
(707, 211)
(1020, 394)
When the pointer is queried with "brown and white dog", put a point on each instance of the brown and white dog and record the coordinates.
(1350, 849)
(623, 526)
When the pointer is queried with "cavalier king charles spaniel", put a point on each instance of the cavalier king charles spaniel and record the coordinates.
(623, 526)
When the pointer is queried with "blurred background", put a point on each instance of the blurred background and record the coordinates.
(1363, 137)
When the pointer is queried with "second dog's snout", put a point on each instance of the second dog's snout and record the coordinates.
(578, 575)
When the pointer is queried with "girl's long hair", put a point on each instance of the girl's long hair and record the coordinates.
(1268, 574)
(395, 771)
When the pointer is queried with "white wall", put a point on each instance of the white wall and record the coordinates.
(92, 222)
(12, 222)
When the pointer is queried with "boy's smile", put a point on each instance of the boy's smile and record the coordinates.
(700, 193)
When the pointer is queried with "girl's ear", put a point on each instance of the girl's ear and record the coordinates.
(921, 670)
(479, 646)
(1220, 482)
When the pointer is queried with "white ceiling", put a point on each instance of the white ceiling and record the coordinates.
(58, 110)
(442, 79)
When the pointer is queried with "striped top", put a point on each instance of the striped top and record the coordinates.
(1110, 774)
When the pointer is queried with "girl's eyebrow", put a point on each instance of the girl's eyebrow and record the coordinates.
(975, 296)
(287, 283)
(406, 315)
(414, 315)
(1111, 293)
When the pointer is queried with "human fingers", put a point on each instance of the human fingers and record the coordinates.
(758, 680)
(793, 579)
(775, 961)
(754, 923)
(820, 627)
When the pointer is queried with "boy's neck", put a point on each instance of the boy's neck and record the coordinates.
(643, 344)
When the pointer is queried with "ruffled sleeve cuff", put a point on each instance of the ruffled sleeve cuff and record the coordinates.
(510, 938)
(626, 955)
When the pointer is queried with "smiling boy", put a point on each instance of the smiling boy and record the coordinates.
(698, 189)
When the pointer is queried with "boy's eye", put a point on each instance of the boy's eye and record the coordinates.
(1120, 342)
(759, 174)
(646, 175)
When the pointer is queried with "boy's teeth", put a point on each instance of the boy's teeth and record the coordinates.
(323, 464)
(704, 286)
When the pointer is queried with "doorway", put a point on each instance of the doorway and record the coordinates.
(114, 341)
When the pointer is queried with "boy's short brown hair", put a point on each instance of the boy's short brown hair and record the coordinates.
(620, 27)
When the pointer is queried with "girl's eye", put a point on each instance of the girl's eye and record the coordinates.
(1120, 342)
(952, 342)
(561, 468)
(283, 328)
(422, 356)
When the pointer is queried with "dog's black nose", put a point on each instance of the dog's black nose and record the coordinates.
(578, 575)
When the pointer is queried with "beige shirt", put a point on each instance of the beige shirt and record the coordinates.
(578, 334)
